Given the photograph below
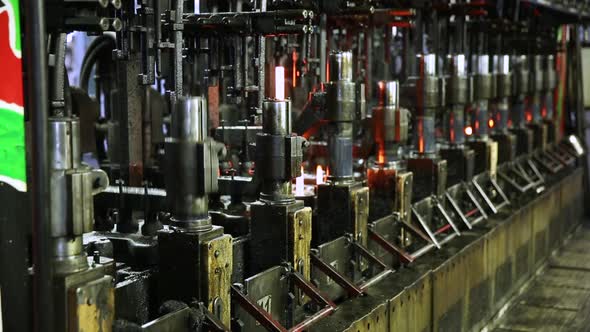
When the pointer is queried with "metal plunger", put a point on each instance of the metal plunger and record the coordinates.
(341, 108)
(454, 118)
(278, 153)
(72, 188)
(521, 89)
(390, 121)
(503, 90)
(482, 92)
(427, 103)
(191, 165)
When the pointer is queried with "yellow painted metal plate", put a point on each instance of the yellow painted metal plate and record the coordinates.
(92, 306)
(217, 260)
(301, 240)
(493, 157)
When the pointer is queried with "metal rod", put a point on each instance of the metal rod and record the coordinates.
(37, 106)
(261, 316)
(390, 247)
(333, 274)
(311, 291)
(369, 255)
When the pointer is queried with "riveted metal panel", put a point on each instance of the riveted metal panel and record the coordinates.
(448, 281)
(478, 292)
(422, 302)
(555, 232)
(399, 313)
(500, 264)
(542, 210)
(375, 320)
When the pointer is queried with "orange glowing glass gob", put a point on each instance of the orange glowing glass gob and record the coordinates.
(319, 174)
(299, 184)
(468, 131)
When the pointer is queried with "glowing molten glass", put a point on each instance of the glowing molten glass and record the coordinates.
(468, 131)
(299, 184)
(319, 174)
(491, 123)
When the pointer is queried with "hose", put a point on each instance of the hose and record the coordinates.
(101, 44)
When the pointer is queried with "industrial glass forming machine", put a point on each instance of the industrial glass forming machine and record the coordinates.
(284, 165)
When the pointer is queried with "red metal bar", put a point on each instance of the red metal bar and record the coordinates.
(471, 212)
(416, 231)
(261, 316)
(369, 255)
(391, 248)
(316, 296)
(333, 274)
(442, 229)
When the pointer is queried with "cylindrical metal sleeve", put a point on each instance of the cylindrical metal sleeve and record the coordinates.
(391, 94)
(276, 117)
(271, 157)
(521, 79)
(482, 80)
(457, 90)
(64, 138)
(482, 86)
(429, 64)
(536, 106)
(189, 120)
(340, 101)
(340, 151)
(502, 113)
(537, 73)
(518, 112)
(454, 123)
(503, 77)
(431, 89)
(480, 126)
(424, 139)
(340, 66)
(549, 75)
(457, 65)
